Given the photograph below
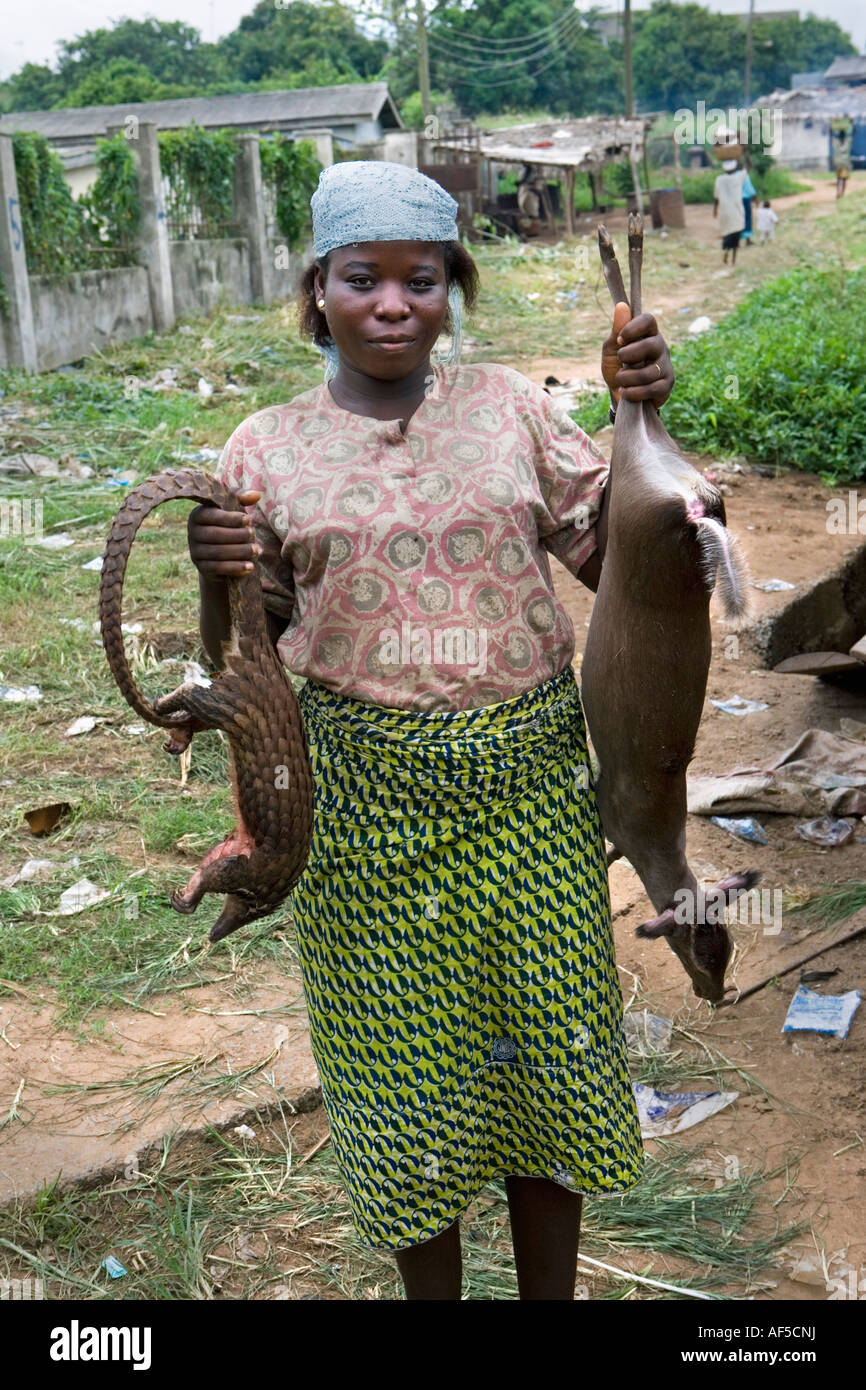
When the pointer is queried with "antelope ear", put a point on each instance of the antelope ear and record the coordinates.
(658, 926)
(736, 883)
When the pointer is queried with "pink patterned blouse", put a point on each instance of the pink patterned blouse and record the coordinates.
(412, 569)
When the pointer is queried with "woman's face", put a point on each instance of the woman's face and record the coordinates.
(385, 302)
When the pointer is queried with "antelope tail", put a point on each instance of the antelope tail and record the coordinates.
(724, 568)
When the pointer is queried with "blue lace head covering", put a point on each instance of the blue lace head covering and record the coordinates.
(373, 200)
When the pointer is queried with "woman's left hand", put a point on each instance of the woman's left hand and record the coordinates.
(635, 361)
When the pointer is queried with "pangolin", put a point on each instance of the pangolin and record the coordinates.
(252, 700)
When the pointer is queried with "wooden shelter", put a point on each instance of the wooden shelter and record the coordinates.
(556, 149)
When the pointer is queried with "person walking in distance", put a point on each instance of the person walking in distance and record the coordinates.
(728, 208)
(766, 220)
(749, 195)
(843, 138)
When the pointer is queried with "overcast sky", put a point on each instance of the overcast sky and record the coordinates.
(30, 32)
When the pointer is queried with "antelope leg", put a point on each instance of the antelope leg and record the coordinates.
(635, 259)
(610, 267)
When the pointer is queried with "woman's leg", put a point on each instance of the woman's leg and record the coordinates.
(434, 1269)
(545, 1229)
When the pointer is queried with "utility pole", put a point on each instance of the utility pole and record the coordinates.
(749, 54)
(423, 60)
(626, 53)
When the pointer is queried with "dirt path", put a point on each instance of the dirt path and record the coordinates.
(821, 197)
(90, 1109)
(702, 284)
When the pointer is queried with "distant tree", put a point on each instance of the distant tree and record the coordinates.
(273, 40)
(320, 72)
(684, 53)
(33, 88)
(122, 79)
(479, 57)
(169, 50)
(564, 69)
(781, 47)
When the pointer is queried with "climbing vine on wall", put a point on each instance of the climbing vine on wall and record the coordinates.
(62, 234)
(51, 220)
(198, 166)
(111, 204)
(290, 172)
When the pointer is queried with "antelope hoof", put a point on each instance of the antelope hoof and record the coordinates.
(182, 904)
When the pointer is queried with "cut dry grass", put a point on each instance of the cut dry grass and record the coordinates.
(833, 905)
(255, 1220)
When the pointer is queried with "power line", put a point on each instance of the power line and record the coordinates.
(503, 82)
(495, 62)
(547, 31)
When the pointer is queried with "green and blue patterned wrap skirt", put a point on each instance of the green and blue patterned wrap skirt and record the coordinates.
(457, 954)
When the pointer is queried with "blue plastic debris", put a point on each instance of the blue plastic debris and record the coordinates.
(828, 831)
(743, 827)
(821, 1013)
(669, 1112)
(113, 1267)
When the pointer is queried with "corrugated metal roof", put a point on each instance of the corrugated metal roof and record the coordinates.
(817, 101)
(846, 67)
(588, 143)
(288, 110)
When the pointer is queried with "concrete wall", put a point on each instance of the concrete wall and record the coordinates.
(367, 132)
(5, 343)
(81, 177)
(207, 273)
(401, 147)
(73, 314)
(798, 146)
(56, 319)
(283, 269)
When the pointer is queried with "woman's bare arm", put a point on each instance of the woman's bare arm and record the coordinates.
(221, 546)
(590, 573)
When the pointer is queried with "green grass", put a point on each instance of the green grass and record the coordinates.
(254, 1220)
(128, 809)
(780, 379)
(698, 187)
(803, 406)
(128, 948)
(834, 905)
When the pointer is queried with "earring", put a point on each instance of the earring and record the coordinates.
(320, 303)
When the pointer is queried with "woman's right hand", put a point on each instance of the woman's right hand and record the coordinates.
(221, 543)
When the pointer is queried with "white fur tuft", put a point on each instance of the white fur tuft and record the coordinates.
(723, 566)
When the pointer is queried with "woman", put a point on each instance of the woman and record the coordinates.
(749, 192)
(729, 207)
(844, 138)
(453, 920)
